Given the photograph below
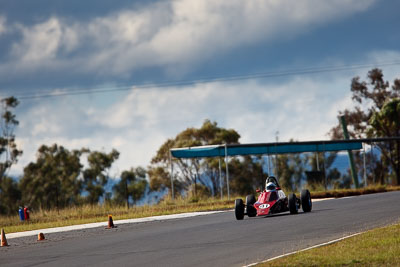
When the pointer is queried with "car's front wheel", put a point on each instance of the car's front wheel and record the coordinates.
(239, 209)
(293, 207)
(251, 210)
(306, 203)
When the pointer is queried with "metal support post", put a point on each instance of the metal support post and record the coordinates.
(220, 178)
(276, 153)
(323, 162)
(172, 175)
(227, 170)
(351, 160)
(269, 165)
(365, 168)
(372, 162)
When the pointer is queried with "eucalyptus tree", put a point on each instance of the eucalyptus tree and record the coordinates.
(246, 173)
(131, 186)
(9, 151)
(190, 170)
(53, 180)
(96, 176)
(286, 169)
(9, 154)
(386, 122)
(370, 97)
(10, 198)
(330, 176)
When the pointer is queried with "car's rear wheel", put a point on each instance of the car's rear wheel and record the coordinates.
(239, 209)
(306, 203)
(293, 207)
(251, 211)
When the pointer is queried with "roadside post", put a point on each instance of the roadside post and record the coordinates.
(227, 170)
(220, 178)
(172, 175)
(351, 160)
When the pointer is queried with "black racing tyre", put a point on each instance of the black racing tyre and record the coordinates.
(239, 209)
(250, 200)
(293, 208)
(305, 198)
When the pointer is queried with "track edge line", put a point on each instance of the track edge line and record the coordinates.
(305, 249)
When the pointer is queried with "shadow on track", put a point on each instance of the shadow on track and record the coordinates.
(319, 210)
(270, 216)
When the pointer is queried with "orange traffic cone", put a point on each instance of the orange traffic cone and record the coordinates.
(110, 222)
(40, 237)
(3, 239)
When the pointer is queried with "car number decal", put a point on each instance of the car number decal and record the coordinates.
(264, 206)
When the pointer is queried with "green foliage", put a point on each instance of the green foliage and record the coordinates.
(9, 152)
(57, 178)
(198, 192)
(246, 174)
(95, 177)
(329, 177)
(52, 181)
(131, 186)
(289, 166)
(10, 196)
(160, 179)
(386, 122)
(188, 171)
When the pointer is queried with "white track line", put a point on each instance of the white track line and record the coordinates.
(347, 197)
(104, 224)
(305, 249)
(321, 199)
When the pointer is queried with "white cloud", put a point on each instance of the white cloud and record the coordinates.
(137, 123)
(174, 34)
(45, 41)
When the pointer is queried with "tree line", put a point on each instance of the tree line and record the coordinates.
(58, 178)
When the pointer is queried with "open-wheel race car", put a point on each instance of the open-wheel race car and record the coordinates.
(272, 200)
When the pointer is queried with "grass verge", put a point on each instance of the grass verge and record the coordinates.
(354, 192)
(378, 247)
(88, 214)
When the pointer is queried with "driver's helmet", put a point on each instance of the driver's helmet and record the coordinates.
(270, 186)
(272, 179)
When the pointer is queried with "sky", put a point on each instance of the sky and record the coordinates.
(93, 73)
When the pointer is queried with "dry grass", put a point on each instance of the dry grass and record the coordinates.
(354, 192)
(87, 214)
(378, 247)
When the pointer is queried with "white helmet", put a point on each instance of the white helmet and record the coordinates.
(270, 186)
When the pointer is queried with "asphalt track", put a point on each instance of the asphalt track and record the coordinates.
(209, 240)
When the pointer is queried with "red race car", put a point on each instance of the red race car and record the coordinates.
(272, 200)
